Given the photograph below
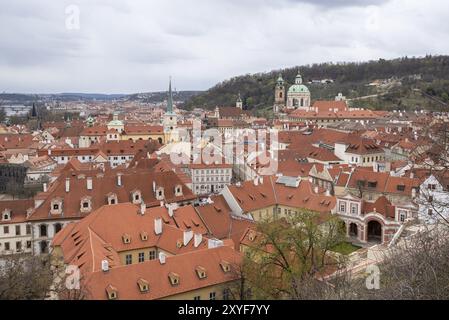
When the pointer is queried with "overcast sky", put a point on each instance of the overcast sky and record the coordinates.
(134, 45)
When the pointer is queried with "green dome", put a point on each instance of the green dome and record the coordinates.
(298, 88)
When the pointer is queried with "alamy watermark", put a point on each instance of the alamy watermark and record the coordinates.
(243, 146)
(72, 20)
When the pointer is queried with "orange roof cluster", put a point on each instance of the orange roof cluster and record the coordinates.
(101, 187)
(271, 191)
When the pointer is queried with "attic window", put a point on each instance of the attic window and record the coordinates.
(126, 239)
(111, 292)
(201, 272)
(179, 244)
(144, 286)
(174, 278)
(400, 187)
(144, 236)
(6, 215)
(251, 236)
(225, 266)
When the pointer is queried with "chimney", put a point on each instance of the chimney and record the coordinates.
(119, 179)
(256, 182)
(171, 213)
(105, 265)
(162, 257)
(45, 187)
(158, 226)
(49, 152)
(162, 203)
(143, 208)
(413, 193)
(316, 189)
(198, 238)
(154, 186)
(89, 183)
(261, 180)
(328, 192)
(412, 175)
(188, 235)
(67, 185)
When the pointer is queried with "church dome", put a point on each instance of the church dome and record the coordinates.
(298, 88)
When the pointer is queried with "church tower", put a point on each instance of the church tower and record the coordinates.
(279, 94)
(170, 121)
(239, 103)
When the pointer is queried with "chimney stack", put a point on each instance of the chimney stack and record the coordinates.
(105, 265)
(316, 189)
(45, 187)
(119, 179)
(198, 238)
(158, 226)
(89, 183)
(67, 185)
(170, 211)
(143, 208)
(162, 257)
(188, 235)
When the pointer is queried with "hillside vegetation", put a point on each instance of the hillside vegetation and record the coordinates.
(430, 75)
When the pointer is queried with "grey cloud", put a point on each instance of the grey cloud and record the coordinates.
(133, 46)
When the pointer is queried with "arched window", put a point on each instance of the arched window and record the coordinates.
(160, 140)
(43, 246)
(43, 230)
(57, 227)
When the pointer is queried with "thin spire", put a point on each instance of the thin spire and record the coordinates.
(170, 98)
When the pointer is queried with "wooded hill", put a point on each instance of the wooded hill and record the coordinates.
(429, 74)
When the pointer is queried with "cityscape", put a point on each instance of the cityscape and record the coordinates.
(289, 180)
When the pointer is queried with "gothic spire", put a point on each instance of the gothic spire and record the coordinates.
(170, 99)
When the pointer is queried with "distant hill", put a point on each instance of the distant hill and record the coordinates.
(150, 97)
(429, 74)
(155, 97)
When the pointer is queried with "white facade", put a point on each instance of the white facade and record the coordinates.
(210, 180)
(433, 201)
(15, 238)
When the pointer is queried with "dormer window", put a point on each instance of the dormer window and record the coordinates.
(160, 193)
(56, 206)
(225, 266)
(126, 238)
(252, 236)
(86, 204)
(178, 191)
(144, 236)
(136, 197)
(144, 286)
(112, 199)
(112, 292)
(6, 216)
(201, 272)
(174, 278)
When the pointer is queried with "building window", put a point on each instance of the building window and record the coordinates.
(7, 248)
(354, 209)
(226, 294)
(141, 257)
(43, 230)
(28, 244)
(6, 229)
(343, 206)
(153, 255)
(212, 296)
(197, 298)
(19, 246)
(128, 259)
(28, 229)
(17, 230)
(57, 227)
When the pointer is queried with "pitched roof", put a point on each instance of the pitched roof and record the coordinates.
(125, 279)
(104, 184)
